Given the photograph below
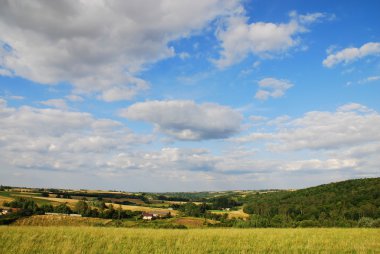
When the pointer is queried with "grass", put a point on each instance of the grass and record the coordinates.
(233, 214)
(144, 208)
(60, 220)
(192, 222)
(121, 240)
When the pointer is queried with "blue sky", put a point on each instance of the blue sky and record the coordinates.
(188, 95)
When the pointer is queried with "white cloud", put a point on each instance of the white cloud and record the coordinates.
(74, 97)
(186, 120)
(68, 144)
(271, 87)
(55, 103)
(238, 38)
(351, 125)
(16, 97)
(354, 107)
(345, 141)
(56, 139)
(317, 164)
(369, 79)
(254, 118)
(348, 55)
(97, 46)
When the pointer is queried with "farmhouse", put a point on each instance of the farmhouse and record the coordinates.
(155, 215)
(6, 211)
(147, 216)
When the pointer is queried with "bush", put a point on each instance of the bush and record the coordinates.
(365, 222)
(308, 224)
(376, 223)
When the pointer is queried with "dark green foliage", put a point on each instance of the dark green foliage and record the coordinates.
(27, 206)
(44, 194)
(62, 208)
(191, 209)
(100, 195)
(82, 208)
(340, 204)
(223, 202)
(174, 198)
(6, 220)
(47, 208)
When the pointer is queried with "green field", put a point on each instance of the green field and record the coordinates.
(121, 240)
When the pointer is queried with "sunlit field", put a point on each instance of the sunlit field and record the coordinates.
(20, 239)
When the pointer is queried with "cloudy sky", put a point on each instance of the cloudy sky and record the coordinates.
(162, 95)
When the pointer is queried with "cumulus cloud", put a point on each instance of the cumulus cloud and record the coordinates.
(74, 97)
(186, 120)
(346, 140)
(351, 54)
(55, 103)
(97, 46)
(167, 159)
(351, 125)
(317, 164)
(56, 139)
(271, 87)
(239, 38)
(62, 142)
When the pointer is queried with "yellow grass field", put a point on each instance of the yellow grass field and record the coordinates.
(60, 220)
(192, 222)
(5, 199)
(144, 208)
(125, 240)
(234, 214)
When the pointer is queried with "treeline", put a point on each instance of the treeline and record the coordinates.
(100, 195)
(101, 210)
(344, 204)
(174, 198)
(184, 196)
(27, 207)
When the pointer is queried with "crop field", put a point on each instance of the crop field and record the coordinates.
(233, 214)
(20, 239)
(60, 220)
(145, 208)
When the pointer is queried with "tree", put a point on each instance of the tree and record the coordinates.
(62, 208)
(45, 194)
(82, 208)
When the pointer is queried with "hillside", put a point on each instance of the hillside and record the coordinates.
(335, 204)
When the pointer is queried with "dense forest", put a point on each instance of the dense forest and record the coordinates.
(347, 203)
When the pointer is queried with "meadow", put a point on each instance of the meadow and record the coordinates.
(19, 239)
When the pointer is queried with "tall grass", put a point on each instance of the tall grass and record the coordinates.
(121, 240)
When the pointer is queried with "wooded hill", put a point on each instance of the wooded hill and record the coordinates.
(335, 204)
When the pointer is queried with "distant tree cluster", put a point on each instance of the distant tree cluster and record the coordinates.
(29, 207)
(345, 204)
(101, 210)
(223, 202)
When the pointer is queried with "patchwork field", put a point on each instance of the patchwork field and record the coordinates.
(145, 208)
(234, 214)
(120, 240)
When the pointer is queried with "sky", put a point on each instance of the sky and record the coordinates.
(188, 95)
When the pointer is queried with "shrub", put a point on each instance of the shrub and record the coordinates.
(308, 224)
(365, 222)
